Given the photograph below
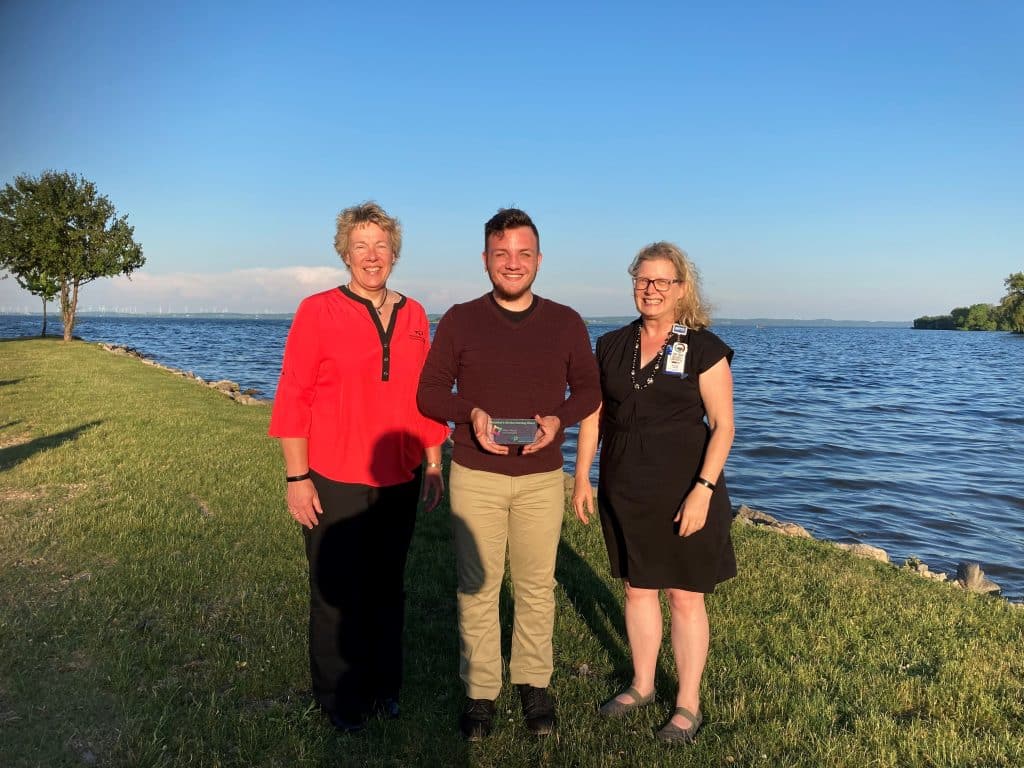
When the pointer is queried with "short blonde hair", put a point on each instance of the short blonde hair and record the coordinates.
(367, 213)
(692, 310)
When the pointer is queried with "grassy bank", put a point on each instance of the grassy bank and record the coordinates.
(153, 599)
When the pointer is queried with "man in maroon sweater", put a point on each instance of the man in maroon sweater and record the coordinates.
(512, 354)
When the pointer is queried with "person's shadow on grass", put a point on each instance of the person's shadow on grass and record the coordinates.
(602, 611)
(432, 695)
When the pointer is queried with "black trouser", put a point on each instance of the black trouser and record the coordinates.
(356, 560)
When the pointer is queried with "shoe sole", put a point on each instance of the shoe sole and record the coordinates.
(678, 736)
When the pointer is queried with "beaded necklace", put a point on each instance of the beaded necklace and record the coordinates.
(636, 363)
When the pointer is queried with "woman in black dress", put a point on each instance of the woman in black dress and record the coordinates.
(666, 427)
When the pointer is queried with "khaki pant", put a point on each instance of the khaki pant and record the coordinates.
(489, 512)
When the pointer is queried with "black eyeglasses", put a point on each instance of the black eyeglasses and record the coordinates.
(660, 284)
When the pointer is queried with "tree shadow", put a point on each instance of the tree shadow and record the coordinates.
(15, 454)
(10, 382)
(37, 337)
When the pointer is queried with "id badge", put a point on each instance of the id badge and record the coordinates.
(679, 330)
(675, 360)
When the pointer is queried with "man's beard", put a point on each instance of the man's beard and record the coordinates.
(501, 293)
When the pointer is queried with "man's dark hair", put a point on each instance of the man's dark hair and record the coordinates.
(509, 218)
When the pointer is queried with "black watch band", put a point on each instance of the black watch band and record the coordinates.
(705, 483)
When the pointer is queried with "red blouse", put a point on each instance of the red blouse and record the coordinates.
(349, 386)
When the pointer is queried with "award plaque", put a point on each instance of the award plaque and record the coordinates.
(514, 431)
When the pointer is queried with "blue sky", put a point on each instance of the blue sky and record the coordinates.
(846, 160)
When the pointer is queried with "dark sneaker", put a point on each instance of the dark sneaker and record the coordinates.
(346, 724)
(538, 710)
(476, 719)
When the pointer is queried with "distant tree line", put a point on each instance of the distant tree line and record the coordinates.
(1007, 315)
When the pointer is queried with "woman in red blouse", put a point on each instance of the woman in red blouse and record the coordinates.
(354, 443)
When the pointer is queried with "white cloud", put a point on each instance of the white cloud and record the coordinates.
(243, 290)
(279, 290)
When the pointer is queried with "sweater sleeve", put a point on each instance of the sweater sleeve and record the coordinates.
(293, 401)
(434, 395)
(582, 376)
(431, 432)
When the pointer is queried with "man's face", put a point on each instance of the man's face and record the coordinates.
(511, 260)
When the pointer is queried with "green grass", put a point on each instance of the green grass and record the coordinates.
(153, 613)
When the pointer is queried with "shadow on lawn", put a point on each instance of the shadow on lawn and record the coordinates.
(10, 382)
(432, 695)
(602, 612)
(15, 454)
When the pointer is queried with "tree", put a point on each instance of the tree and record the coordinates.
(935, 323)
(981, 317)
(959, 315)
(1011, 308)
(41, 285)
(57, 229)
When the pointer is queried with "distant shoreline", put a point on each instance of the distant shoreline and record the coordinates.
(762, 322)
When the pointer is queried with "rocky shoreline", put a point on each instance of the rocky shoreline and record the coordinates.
(227, 388)
(969, 576)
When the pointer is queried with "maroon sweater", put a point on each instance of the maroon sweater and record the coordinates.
(512, 370)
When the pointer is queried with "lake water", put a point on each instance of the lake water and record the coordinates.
(908, 440)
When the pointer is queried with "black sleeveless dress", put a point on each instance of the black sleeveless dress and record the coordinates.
(653, 443)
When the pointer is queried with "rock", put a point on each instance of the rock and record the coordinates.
(119, 349)
(921, 569)
(225, 386)
(866, 551)
(973, 579)
(792, 529)
(755, 516)
(245, 400)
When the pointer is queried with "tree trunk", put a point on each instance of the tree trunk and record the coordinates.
(68, 305)
(44, 316)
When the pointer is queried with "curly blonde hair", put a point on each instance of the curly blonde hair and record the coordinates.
(367, 213)
(691, 310)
